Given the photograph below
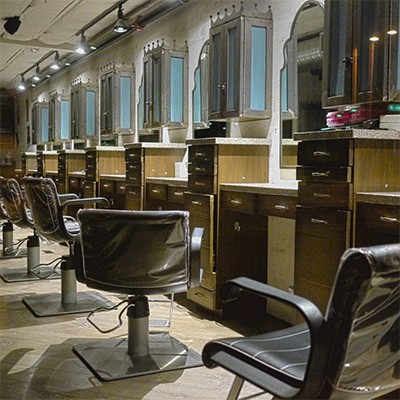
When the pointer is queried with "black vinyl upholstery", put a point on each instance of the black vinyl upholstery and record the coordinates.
(351, 353)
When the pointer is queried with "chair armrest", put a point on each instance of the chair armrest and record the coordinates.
(89, 200)
(231, 290)
(67, 196)
(195, 251)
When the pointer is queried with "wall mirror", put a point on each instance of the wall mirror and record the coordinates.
(200, 91)
(301, 79)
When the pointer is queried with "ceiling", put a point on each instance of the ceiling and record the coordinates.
(56, 25)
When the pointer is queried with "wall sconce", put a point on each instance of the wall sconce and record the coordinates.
(22, 84)
(56, 64)
(37, 77)
(120, 26)
(83, 47)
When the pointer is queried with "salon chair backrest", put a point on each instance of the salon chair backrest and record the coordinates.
(137, 252)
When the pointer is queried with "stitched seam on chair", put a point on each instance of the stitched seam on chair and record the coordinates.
(292, 365)
(268, 340)
(281, 351)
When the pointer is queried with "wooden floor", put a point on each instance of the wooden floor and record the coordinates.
(37, 361)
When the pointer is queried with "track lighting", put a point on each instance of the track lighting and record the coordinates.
(22, 84)
(83, 47)
(120, 25)
(37, 77)
(56, 64)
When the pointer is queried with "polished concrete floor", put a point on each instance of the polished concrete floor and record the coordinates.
(37, 361)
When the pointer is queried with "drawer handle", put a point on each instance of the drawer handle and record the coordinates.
(199, 183)
(196, 203)
(319, 221)
(322, 195)
(200, 169)
(178, 193)
(321, 174)
(321, 153)
(389, 219)
(156, 191)
(130, 192)
(122, 187)
(106, 185)
(198, 294)
(200, 154)
(236, 202)
(72, 181)
(281, 207)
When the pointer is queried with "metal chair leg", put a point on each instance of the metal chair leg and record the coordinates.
(235, 388)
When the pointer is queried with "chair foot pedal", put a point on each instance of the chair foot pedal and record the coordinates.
(47, 305)
(109, 360)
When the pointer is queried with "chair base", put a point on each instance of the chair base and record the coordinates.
(47, 305)
(18, 253)
(109, 359)
(22, 275)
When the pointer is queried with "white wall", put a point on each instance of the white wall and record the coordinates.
(190, 23)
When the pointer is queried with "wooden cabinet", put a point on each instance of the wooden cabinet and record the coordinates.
(146, 160)
(47, 162)
(29, 163)
(69, 161)
(377, 219)
(240, 65)
(212, 162)
(165, 194)
(361, 52)
(331, 171)
(112, 187)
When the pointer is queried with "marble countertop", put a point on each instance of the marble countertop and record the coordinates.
(348, 134)
(387, 198)
(70, 151)
(113, 177)
(218, 140)
(105, 148)
(156, 145)
(169, 181)
(277, 189)
(77, 174)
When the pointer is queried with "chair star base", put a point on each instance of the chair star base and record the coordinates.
(50, 304)
(17, 253)
(109, 359)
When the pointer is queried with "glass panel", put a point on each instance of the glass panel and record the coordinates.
(64, 133)
(232, 82)
(177, 64)
(197, 97)
(157, 89)
(216, 73)
(90, 112)
(103, 104)
(44, 133)
(109, 99)
(52, 117)
(371, 53)
(125, 101)
(258, 68)
(284, 89)
(146, 93)
(141, 108)
(337, 47)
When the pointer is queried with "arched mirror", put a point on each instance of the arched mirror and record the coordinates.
(301, 79)
(200, 92)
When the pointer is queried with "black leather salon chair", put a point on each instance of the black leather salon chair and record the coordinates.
(47, 207)
(138, 253)
(351, 353)
(17, 213)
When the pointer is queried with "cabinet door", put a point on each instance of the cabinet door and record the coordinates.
(106, 100)
(338, 57)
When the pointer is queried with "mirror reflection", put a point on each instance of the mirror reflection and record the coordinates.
(301, 79)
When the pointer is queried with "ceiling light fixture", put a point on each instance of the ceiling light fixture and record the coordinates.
(83, 47)
(12, 24)
(56, 64)
(120, 26)
(22, 84)
(38, 76)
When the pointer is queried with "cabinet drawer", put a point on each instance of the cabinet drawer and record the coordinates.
(197, 168)
(329, 174)
(278, 206)
(134, 177)
(156, 191)
(329, 195)
(106, 187)
(91, 175)
(202, 153)
(133, 197)
(202, 184)
(90, 157)
(243, 202)
(202, 296)
(379, 218)
(120, 187)
(176, 194)
(325, 152)
(133, 155)
(75, 183)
